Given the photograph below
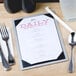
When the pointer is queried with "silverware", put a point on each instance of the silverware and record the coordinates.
(5, 37)
(72, 44)
(4, 61)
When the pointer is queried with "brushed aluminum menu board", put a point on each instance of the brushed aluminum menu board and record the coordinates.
(39, 41)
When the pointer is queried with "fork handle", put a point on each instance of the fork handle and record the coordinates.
(4, 61)
(11, 60)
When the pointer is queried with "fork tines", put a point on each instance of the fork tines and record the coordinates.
(4, 32)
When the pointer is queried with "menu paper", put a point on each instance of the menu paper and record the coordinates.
(38, 40)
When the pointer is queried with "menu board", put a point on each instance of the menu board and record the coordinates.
(39, 41)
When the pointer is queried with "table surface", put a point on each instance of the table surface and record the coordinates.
(59, 69)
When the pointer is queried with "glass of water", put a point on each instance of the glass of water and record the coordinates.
(68, 8)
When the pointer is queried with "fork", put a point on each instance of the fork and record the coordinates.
(4, 61)
(5, 37)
